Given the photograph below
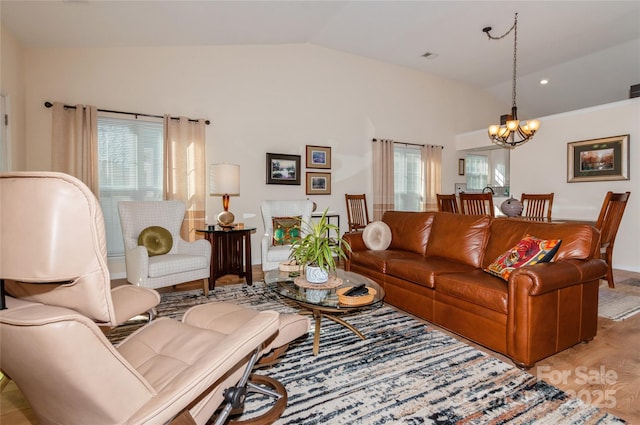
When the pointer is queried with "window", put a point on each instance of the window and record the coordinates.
(407, 186)
(477, 171)
(130, 158)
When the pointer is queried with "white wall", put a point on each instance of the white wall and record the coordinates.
(262, 99)
(12, 86)
(540, 166)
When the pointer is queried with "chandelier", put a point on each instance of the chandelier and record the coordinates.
(512, 132)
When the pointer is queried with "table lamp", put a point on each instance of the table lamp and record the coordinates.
(224, 180)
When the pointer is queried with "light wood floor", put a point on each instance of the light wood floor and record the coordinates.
(605, 372)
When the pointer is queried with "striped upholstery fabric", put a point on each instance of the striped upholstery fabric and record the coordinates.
(185, 262)
(273, 255)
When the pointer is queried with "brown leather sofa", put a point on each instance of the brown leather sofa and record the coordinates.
(434, 265)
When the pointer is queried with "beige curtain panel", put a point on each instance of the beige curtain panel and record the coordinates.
(383, 191)
(185, 170)
(432, 176)
(74, 143)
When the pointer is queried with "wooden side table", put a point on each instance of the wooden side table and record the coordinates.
(230, 252)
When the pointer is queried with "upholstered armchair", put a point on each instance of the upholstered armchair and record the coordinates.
(167, 259)
(272, 254)
(58, 284)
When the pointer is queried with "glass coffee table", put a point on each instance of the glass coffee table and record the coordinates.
(322, 300)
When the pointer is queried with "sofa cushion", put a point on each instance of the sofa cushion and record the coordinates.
(527, 252)
(377, 236)
(409, 230)
(459, 237)
(579, 241)
(476, 287)
(377, 260)
(422, 271)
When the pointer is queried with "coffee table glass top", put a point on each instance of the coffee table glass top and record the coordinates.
(283, 283)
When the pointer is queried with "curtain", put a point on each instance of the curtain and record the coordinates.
(383, 192)
(432, 176)
(185, 170)
(74, 143)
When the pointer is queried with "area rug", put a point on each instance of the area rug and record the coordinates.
(621, 302)
(405, 372)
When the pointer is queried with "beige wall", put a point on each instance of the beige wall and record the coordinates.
(262, 99)
(12, 86)
(540, 166)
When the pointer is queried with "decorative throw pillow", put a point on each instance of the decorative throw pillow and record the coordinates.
(377, 236)
(156, 239)
(286, 230)
(529, 251)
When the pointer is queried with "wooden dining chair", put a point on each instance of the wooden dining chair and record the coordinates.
(608, 224)
(357, 212)
(447, 203)
(477, 203)
(537, 206)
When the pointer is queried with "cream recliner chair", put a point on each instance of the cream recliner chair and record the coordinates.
(185, 261)
(166, 372)
(273, 255)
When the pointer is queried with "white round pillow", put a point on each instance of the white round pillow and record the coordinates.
(377, 236)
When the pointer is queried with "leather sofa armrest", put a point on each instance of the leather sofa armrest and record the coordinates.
(354, 239)
(549, 277)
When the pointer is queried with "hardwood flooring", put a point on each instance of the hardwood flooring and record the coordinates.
(605, 372)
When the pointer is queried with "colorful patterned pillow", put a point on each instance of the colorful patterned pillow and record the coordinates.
(286, 230)
(529, 251)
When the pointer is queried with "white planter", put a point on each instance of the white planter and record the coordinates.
(315, 274)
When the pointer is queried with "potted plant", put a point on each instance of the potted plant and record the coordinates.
(317, 250)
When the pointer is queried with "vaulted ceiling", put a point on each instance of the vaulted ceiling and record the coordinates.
(588, 50)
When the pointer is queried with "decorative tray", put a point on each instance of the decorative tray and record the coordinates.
(333, 282)
(354, 301)
(290, 266)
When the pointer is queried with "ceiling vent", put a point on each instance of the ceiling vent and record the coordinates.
(634, 91)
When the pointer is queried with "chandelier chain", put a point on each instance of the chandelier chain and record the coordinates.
(515, 58)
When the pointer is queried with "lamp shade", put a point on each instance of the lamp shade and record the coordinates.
(224, 179)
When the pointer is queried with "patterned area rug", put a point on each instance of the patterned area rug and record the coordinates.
(405, 372)
(621, 302)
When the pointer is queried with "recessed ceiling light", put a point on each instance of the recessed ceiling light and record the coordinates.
(544, 81)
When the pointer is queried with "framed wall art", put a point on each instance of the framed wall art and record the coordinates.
(318, 156)
(283, 169)
(318, 183)
(598, 159)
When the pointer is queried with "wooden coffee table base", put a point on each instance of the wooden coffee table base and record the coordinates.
(318, 314)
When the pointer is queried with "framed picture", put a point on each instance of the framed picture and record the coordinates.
(318, 156)
(318, 183)
(283, 169)
(461, 167)
(598, 159)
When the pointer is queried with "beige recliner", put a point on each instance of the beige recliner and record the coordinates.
(166, 372)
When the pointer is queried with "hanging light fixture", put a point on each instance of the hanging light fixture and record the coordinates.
(512, 132)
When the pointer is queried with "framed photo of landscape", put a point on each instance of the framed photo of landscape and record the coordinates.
(283, 169)
(318, 183)
(598, 159)
(318, 156)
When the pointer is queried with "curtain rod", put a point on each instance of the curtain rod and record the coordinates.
(49, 105)
(410, 144)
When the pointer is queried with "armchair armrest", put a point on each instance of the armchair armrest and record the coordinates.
(137, 264)
(131, 300)
(200, 247)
